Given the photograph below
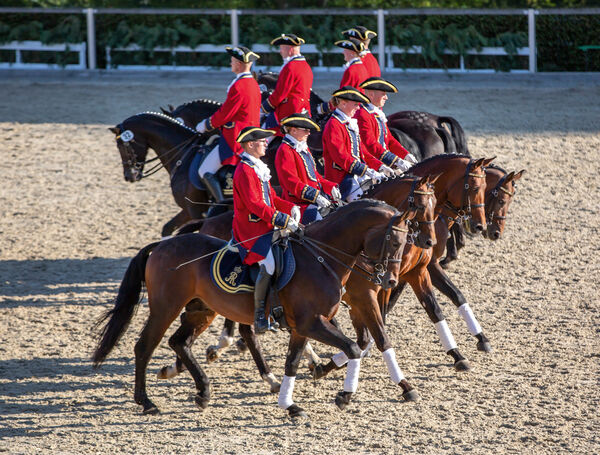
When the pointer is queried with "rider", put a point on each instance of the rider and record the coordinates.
(300, 181)
(240, 109)
(365, 35)
(374, 131)
(257, 211)
(347, 160)
(292, 92)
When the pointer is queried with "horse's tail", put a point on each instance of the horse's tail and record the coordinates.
(458, 134)
(449, 144)
(125, 305)
(190, 227)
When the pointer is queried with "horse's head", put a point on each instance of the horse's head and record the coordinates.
(133, 152)
(423, 200)
(501, 189)
(383, 245)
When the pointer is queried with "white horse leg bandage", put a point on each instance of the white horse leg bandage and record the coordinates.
(390, 360)
(467, 314)
(340, 359)
(352, 371)
(286, 391)
(445, 335)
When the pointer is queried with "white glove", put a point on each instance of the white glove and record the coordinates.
(386, 170)
(201, 127)
(335, 193)
(293, 225)
(410, 158)
(322, 201)
(373, 174)
(295, 214)
(403, 165)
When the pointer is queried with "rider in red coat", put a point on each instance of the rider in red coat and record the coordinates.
(298, 176)
(292, 92)
(365, 35)
(257, 211)
(374, 131)
(347, 161)
(240, 109)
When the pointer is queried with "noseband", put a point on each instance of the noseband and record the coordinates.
(464, 212)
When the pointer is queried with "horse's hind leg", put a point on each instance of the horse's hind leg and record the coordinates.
(442, 282)
(225, 340)
(196, 318)
(178, 220)
(254, 347)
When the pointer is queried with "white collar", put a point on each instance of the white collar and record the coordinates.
(379, 113)
(298, 146)
(289, 59)
(261, 169)
(352, 123)
(354, 60)
(238, 77)
(365, 52)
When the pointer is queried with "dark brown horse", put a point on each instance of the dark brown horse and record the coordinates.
(177, 276)
(429, 140)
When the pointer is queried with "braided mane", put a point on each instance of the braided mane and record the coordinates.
(166, 117)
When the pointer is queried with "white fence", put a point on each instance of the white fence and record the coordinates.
(19, 46)
(383, 51)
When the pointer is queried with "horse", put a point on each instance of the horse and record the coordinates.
(177, 276)
(501, 187)
(175, 146)
(429, 140)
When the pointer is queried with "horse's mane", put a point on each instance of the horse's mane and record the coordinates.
(348, 208)
(200, 101)
(494, 166)
(369, 192)
(166, 117)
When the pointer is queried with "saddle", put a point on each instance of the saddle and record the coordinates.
(224, 175)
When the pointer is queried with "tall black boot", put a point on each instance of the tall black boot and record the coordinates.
(261, 289)
(214, 187)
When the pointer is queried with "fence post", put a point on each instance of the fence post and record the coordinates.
(235, 37)
(381, 37)
(532, 44)
(91, 38)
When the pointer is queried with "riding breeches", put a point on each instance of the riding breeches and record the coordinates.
(211, 164)
(269, 262)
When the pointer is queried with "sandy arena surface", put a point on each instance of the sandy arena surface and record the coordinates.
(69, 225)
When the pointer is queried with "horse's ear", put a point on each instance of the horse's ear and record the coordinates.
(408, 215)
(487, 161)
(434, 178)
(509, 176)
(518, 175)
(115, 130)
(165, 111)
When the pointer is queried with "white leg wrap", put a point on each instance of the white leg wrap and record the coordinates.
(286, 391)
(390, 360)
(352, 371)
(340, 359)
(445, 335)
(224, 340)
(467, 314)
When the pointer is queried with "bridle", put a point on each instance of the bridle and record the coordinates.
(489, 215)
(410, 201)
(464, 212)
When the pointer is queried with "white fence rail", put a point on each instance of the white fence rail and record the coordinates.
(383, 51)
(19, 46)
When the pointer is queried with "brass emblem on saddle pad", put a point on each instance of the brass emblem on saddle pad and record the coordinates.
(232, 278)
(228, 273)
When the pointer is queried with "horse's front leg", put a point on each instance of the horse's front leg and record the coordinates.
(442, 282)
(294, 354)
(263, 368)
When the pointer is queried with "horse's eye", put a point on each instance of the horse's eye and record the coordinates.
(501, 202)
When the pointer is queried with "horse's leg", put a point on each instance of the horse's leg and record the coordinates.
(225, 340)
(254, 347)
(313, 358)
(294, 354)
(451, 251)
(196, 318)
(394, 296)
(420, 281)
(442, 282)
(178, 220)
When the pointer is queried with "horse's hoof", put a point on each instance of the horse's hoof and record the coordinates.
(484, 346)
(462, 365)
(151, 409)
(411, 395)
(275, 388)
(343, 399)
(241, 345)
(212, 354)
(167, 372)
(296, 412)
(201, 401)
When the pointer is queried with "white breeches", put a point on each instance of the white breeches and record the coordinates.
(269, 263)
(211, 164)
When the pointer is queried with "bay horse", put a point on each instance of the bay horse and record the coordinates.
(500, 190)
(175, 146)
(177, 276)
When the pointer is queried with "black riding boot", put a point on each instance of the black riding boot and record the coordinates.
(214, 187)
(261, 289)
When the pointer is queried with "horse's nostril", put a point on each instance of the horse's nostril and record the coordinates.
(429, 242)
(479, 227)
(393, 283)
(496, 234)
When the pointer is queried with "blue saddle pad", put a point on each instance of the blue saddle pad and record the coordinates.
(225, 174)
(232, 276)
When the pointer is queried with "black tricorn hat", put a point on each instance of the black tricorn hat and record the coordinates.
(352, 44)
(377, 83)
(301, 120)
(253, 133)
(243, 54)
(351, 94)
(287, 38)
(359, 32)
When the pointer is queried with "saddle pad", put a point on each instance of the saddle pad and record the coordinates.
(232, 276)
(225, 174)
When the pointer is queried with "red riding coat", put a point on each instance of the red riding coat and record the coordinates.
(355, 74)
(240, 109)
(376, 136)
(292, 92)
(343, 151)
(257, 210)
(371, 64)
(298, 176)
